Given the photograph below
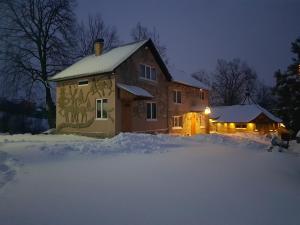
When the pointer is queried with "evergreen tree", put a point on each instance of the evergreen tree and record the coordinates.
(287, 91)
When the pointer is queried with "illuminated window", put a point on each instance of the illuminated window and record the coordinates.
(177, 121)
(151, 111)
(147, 72)
(83, 82)
(202, 120)
(177, 97)
(101, 108)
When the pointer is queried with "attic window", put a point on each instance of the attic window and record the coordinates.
(147, 72)
(83, 82)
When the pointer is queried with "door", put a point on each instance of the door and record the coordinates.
(193, 124)
(126, 117)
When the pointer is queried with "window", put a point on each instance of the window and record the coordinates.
(177, 96)
(202, 120)
(241, 126)
(83, 82)
(202, 96)
(147, 72)
(177, 121)
(151, 111)
(101, 109)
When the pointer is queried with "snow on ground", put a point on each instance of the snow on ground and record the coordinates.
(147, 179)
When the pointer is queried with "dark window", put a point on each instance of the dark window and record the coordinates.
(153, 73)
(101, 110)
(142, 70)
(151, 111)
(83, 82)
(177, 96)
(148, 110)
(147, 72)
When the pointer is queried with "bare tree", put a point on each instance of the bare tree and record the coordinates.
(139, 33)
(94, 29)
(202, 76)
(37, 36)
(231, 81)
(263, 96)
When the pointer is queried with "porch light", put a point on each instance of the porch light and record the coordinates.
(282, 125)
(207, 110)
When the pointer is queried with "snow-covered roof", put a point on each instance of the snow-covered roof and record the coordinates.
(240, 113)
(137, 91)
(103, 63)
(180, 76)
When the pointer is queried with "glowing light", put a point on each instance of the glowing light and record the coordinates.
(207, 110)
(250, 125)
(282, 125)
(232, 125)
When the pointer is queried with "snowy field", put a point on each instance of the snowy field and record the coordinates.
(138, 179)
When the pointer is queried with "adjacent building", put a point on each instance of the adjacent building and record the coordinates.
(243, 118)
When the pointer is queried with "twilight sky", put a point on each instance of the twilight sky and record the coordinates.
(198, 32)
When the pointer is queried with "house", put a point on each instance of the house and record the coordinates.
(241, 118)
(127, 89)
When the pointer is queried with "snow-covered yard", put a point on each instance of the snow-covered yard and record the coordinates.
(147, 179)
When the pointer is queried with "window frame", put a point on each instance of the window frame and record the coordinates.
(150, 69)
(101, 118)
(175, 91)
(202, 94)
(151, 111)
(174, 118)
(85, 84)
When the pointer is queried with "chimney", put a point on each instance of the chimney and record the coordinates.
(98, 46)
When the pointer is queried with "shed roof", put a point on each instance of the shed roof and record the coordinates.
(240, 113)
(137, 91)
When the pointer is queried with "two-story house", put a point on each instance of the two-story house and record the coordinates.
(128, 89)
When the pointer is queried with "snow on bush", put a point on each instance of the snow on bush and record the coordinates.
(122, 143)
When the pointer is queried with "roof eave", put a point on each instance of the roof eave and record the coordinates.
(79, 76)
(183, 83)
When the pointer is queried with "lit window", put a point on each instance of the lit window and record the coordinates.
(177, 96)
(151, 111)
(147, 72)
(83, 82)
(177, 121)
(101, 109)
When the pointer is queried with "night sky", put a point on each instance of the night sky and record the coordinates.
(197, 33)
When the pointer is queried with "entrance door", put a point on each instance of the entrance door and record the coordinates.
(193, 124)
(126, 117)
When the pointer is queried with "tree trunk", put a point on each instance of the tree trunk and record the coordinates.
(50, 108)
